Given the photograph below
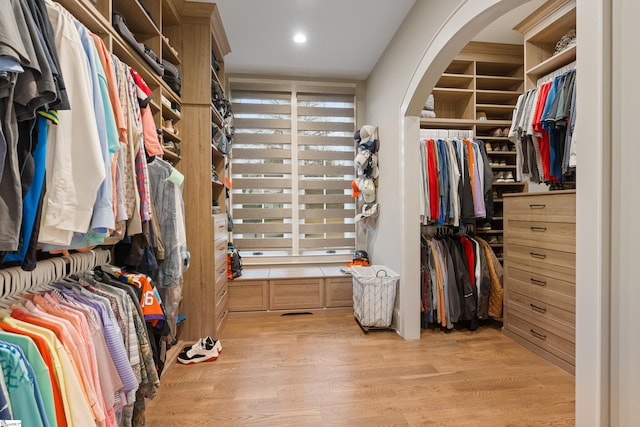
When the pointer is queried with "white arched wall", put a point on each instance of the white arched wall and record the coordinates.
(432, 34)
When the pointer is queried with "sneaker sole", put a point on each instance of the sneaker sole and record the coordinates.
(195, 361)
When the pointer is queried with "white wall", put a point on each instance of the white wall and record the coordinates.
(593, 215)
(625, 208)
(432, 34)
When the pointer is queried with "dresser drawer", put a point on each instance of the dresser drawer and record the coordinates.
(221, 317)
(220, 248)
(554, 207)
(560, 322)
(220, 275)
(222, 298)
(559, 236)
(543, 288)
(543, 338)
(551, 263)
(220, 225)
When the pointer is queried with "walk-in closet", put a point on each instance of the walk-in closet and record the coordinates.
(189, 189)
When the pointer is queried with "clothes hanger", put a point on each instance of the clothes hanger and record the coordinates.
(4, 283)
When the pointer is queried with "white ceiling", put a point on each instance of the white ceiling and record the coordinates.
(345, 38)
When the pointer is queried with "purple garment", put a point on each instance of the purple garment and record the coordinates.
(478, 189)
(112, 334)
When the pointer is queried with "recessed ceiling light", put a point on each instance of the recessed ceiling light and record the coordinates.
(299, 38)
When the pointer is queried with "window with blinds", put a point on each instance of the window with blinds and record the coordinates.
(292, 166)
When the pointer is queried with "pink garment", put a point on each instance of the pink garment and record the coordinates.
(151, 141)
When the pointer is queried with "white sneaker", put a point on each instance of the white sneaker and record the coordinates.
(509, 177)
(205, 350)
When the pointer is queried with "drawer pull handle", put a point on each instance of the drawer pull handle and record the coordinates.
(223, 293)
(539, 229)
(538, 282)
(538, 309)
(221, 270)
(537, 206)
(538, 334)
(539, 256)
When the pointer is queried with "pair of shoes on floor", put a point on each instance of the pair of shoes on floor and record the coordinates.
(204, 350)
(503, 177)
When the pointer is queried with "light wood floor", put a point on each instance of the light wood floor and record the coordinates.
(321, 370)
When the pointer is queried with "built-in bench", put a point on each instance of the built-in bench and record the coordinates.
(290, 289)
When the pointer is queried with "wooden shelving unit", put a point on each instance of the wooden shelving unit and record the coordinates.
(542, 30)
(205, 301)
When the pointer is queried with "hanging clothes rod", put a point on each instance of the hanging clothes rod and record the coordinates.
(15, 280)
(555, 73)
(445, 133)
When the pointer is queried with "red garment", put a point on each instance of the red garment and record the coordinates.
(46, 356)
(434, 188)
(471, 259)
(543, 134)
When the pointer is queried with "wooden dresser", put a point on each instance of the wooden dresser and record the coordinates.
(540, 272)
(221, 237)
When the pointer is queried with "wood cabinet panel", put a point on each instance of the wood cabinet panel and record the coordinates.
(296, 294)
(339, 292)
(248, 295)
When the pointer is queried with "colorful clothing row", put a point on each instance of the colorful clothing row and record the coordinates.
(461, 281)
(543, 130)
(80, 354)
(456, 182)
(96, 187)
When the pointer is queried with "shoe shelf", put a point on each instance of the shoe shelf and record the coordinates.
(170, 155)
(170, 135)
(501, 152)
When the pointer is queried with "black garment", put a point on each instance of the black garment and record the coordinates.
(468, 301)
(26, 101)
(467, 211)
(452, 291)
(41, 18)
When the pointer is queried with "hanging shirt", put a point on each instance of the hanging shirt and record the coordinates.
(75, 167)
(51, 360)
(40, 371)
(21, 386)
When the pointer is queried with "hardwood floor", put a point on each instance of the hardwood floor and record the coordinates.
(321, 370)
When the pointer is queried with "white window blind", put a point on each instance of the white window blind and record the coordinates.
(292, 166)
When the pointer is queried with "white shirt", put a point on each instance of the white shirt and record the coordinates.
(75, 168)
